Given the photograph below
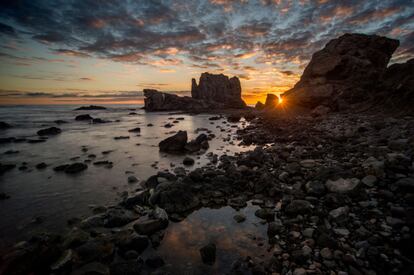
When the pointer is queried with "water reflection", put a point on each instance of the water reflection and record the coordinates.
(182, 240)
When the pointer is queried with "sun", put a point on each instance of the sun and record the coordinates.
(280, 100)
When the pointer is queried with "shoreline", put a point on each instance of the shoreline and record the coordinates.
(318, 182)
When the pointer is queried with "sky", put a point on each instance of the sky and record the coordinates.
(108, 51)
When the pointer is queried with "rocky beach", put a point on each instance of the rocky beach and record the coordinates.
(324, 184)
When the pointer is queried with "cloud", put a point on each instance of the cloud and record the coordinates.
(86, 79)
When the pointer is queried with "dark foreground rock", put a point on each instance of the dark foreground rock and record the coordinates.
(175, 143)
(90, 107)
(85, 117)
(208, 253)
(344, 72)
(4, 125)
(49, 131)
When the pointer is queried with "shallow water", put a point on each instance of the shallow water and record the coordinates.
(55, 197)
(183, 240)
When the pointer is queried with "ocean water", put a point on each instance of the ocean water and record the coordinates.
(45, 199)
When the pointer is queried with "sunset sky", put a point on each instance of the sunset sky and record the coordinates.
(100, 52)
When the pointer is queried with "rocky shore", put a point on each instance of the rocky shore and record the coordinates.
(335, 189)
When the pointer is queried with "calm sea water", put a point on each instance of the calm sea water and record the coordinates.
(45, 199)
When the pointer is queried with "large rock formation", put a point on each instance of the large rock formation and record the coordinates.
(213, 92)
(219, 89)
(158, 101)
(343, 72)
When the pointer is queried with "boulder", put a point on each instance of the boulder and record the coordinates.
(343, 71)
(271, 101)
(175, 143)
(4, 125)
(225, 92)
(342, 186)
(83, 117)
(49, 131)
(158, 101)
(259, 106)
(90, 107)
(208, 253)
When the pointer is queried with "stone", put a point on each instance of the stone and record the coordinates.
(158, 101)
(75, 168)
(208, 254)
(90, 107)
(299, 271)
(4, 125)
(135, 130)
(265, 214)
(132, 179)
(130, 267)
(342, 186)
(95, 268)
(315, 188)
(369, 180)
(154, 261)
(49, 131)
(175, 143)
(326, 253)
(239, 218)
(225, 92)
(343, 71)
(298, 207)
(274, 227)
(152, 223)
(339, 214)
(188, 161)
(85, 117)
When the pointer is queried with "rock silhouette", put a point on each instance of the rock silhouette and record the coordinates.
(343, 71)
(213, 92)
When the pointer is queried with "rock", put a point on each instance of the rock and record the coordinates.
(224, 92)
(271, 101)
(259, 106)
(342, 186)
(369, 180)
(298, 207)
(150, 224)
(63, 261)
(308, 163)
(94, 250)
(299, 271)
(326, 253)
(188, 161)
(201, 142)
(343, 71)
(239, 218)
(158, 101)
(99, 121)
(274, 227)
(90, 107)
(60, 121)
(320, 111)
(208, 254)
(339, 214)
(49, 131)
(396, 91)
(83, 117)
(4, 196)
(315, 188)
(121, 137)
(135, 130)
(41, 166)
(265, 214)
(132, 179)
(175, 143)
(233, 118)
(175, 198)
(133, 241)
(4, 125)
(75, 168)
(6, 167)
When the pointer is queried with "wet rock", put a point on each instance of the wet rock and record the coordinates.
(239, 218)
(90, 107)
(150, 224)
(369, 180)
(175, 143)
(298, 207)
(315, 188)
(133, 241)
(41, 166)
(6, 167)
(342, 186)
(85, 117)
(4, 196)
(94, 250)
(274, 227)
(339, 214)
(121, 137)
(135, 130)
(188, 161)
(264, 213)
(132, 179)
(75, 168)
(4, 125)
(208, 254)
(99, 121)
(201, 142)
(49, 131)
